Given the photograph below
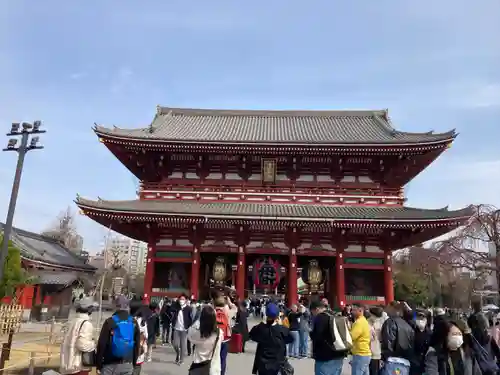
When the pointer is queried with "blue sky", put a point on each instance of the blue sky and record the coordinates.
(434, 64)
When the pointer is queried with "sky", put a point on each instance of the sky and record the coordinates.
(433, 64)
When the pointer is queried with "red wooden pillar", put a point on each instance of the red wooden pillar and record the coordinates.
(388, 281)
(241, 273)
(150, 268)
(292, 278)
(340, 278)
(195, 274)
(332, 286)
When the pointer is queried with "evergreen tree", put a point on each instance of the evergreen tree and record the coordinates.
(13, 274)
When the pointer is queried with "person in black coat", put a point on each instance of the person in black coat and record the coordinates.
(153, 323)
(423, 335)
(166, 315)
(271, 339)
(241, 324)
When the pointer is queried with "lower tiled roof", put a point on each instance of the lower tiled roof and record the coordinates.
(34, 246)
(63, 278)
(269, 211)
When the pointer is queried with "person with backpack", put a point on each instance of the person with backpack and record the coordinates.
(225, 311)
(328, 358)
(207, 338)
(119, 343)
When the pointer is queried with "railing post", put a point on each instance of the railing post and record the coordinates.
(9, 344)
(3, 357)
(52, 330)
(31, 369)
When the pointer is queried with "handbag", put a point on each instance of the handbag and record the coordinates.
(287, 368)
(88, 358)
(203, 368)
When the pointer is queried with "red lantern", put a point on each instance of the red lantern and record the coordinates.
(266, 274)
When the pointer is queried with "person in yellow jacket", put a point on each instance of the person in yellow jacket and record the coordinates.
(360, 334)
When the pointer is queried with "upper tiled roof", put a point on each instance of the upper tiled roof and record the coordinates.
(273, 127)
(36, 247)
(273, 210)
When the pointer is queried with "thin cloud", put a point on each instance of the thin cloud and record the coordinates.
(78, 75)
(486, 96)
(121, 80)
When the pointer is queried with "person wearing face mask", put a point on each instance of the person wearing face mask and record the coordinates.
(78, 339)
(181, 321)
(422, 339)
(447, 353)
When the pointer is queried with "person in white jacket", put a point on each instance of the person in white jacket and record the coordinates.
(137, 311)
(207, 338)
(78, 339)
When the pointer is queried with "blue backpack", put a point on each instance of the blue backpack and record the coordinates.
(122, 341)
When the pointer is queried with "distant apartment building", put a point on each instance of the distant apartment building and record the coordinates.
(125, 252)
(98, 261)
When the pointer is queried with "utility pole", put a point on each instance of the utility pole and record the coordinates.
(25, 130)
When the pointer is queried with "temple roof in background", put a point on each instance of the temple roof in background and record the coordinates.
(36, 247)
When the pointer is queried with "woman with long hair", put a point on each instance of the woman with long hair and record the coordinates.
(241, 325)
(448, 354)
(207, 338)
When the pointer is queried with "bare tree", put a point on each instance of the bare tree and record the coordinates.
(114, 257)
(64, 230)
(469, 248)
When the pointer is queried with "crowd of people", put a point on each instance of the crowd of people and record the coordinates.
(394, 339)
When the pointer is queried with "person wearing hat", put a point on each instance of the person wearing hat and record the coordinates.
(78, 339)
(272, 339)
(115, 356)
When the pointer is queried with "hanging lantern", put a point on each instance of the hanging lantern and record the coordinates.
(314, 275)
(266, 273)
(219, 273)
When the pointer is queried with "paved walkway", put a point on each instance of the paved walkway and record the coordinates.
(238, 364)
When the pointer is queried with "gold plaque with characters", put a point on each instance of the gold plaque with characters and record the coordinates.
(269, 167)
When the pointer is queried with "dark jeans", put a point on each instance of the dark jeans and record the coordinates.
(375, 367)
(223, 357)
(166, 334)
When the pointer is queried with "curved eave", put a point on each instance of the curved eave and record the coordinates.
(100, 209)
(106, 133)
(58, 266)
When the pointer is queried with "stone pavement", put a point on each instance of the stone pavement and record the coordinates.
(237, 364)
